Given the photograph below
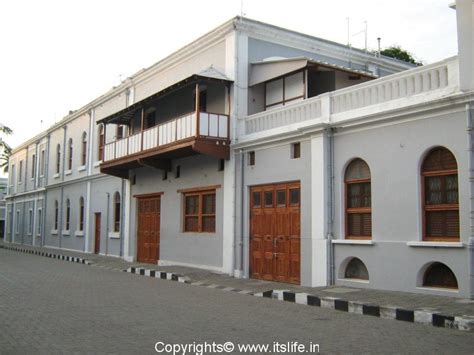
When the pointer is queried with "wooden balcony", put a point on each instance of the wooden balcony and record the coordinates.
(193, 133)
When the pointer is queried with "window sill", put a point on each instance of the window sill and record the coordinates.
(66, 233)
(360, 281)
(79, 233)
(439, 289)
(436, 244)
(38, 235)
(97, 163)
(68, 172)
(81, 168)
(198, 234)
(56, 176)
(54, 231)
(353, 241)
(114, 235)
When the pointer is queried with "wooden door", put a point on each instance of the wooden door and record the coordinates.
(275, 232)
(97, 233)
(148, 243)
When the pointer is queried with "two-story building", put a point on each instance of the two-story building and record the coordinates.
(266, 153)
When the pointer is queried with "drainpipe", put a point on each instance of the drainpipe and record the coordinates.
(470, 128)
(242, 210)
(60, 231)
(45, 183)
(107, 226)
(330, 205)
(122, 216)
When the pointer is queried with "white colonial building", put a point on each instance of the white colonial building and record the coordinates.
(266, 153)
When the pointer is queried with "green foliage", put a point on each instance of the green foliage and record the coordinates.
(397, 52)
(5, 149)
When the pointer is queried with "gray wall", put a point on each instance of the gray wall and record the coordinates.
(273, 164)
(394, 154)
(203, 249)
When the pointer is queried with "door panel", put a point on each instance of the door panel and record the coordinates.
(275, 232)
(148, 238)
(97, 233)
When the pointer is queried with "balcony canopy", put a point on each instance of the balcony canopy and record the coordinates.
(275, 67)
(209, 75)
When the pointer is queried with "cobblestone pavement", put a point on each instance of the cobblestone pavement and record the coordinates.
(446, 305)
(51, 306)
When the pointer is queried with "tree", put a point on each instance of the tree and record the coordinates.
(397, 52)
(5, 149)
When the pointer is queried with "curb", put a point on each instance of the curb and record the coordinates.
(73, 259)
(420, 316)
(163, 275)
(426, 317)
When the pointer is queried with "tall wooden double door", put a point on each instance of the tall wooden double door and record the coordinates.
(275, 232)
(148, 236)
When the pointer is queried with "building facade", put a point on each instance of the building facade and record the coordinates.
(261, 152)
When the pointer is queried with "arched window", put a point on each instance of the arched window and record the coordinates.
(81, 214)
(101, 136)
(69, 158)
(439, 173)
(68, 214)
(358, 200)
(84, 149)
(439, 275)
(58, 158)
(56, 215)
(356, 269)
(116, 212)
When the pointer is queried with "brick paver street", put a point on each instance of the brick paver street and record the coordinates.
(50, 306)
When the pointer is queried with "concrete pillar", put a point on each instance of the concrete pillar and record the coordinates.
(319, 196)
(465, 28)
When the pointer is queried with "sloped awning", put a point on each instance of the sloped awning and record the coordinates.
(273, 68)
(207, 75)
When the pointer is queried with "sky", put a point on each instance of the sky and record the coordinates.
(58, 55)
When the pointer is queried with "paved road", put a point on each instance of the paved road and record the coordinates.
(51, 306)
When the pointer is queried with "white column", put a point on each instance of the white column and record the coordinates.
(127, 255)
(319, 198)
(465, 27)
(228, 220)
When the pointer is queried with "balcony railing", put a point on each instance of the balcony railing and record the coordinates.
(209, 125)
(387, 93)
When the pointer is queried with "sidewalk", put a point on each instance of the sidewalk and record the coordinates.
(434, 310)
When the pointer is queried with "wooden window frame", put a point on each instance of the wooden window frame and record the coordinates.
(84, 149)
(117, 212)
(251, 158)
(58, 159)
(56, 215)
(68, 215)
(200, 215)
(81, 214)
(296, 150)
(437, 208)
(285, 100)
(101, 142)
(356, 210)
(33, 166)
(70, 154)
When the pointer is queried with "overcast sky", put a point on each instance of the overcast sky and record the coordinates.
(58, 55)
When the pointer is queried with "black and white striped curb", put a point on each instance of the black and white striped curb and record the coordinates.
(157, 274)
(47, 254)
(427, 317)
(183, 279)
